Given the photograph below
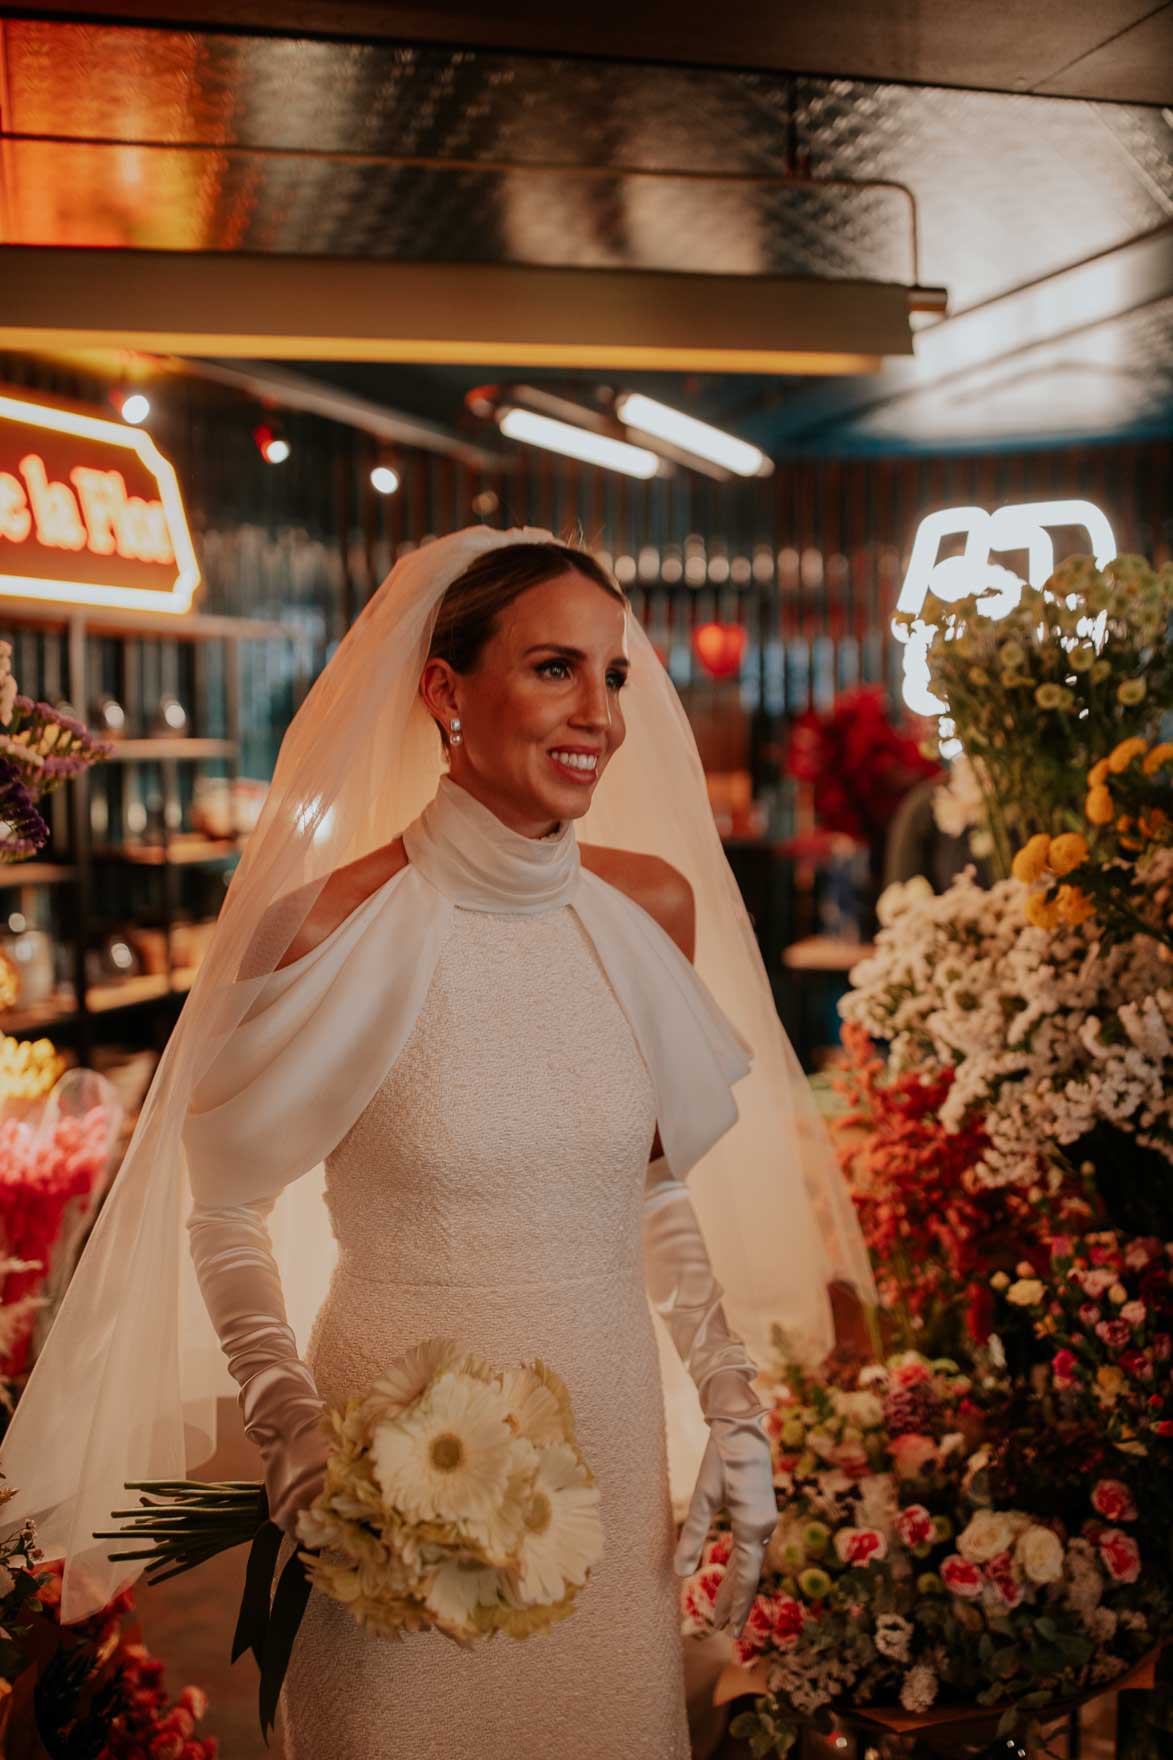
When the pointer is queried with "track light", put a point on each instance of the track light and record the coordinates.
(271, 442)
(133, 406)
(660, 422)
(574, 442)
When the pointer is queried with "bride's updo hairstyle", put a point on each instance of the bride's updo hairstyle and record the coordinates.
(468, 612)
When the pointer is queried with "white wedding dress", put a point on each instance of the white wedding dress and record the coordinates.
(490, 1191)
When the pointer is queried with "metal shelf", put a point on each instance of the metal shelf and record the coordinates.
(152, 750)
(181, 851)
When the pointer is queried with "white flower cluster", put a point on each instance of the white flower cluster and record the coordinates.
(1047, 1032)
(811, 1678)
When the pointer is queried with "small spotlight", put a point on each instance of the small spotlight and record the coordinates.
(135, 408)
(273, 446)
(384, 479)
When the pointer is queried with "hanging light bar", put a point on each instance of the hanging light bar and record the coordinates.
(574, 442)
(664, 423)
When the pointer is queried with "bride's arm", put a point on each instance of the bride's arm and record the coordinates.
(737, 1469)
(241, 1287)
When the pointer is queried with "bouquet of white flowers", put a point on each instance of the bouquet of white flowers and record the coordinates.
(456, 1497)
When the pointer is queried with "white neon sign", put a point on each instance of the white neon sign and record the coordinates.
(995, 590)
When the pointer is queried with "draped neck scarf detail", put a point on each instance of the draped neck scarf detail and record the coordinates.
(478, 862)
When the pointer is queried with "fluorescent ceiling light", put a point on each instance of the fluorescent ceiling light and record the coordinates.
(616, 455)
(657, 419)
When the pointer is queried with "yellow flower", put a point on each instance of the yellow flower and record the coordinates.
(1050, 696)
(1031, 860)
(1160, 754)
(1098, 775)
(1152, 823)
(1110, 1380)
(1074, 906)
(1124, 826)
(1125, 752)
(1131, 692)
(1039, 912)
(1098, 806)
(1067, 852)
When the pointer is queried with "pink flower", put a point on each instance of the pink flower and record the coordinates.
(1114, 1333)
(1096, 1283)
(1136, 1364)
(860, 1546)
(1138, 1253)
(1063, 1369)
(1134, 1313)
(1089, 1313)
(719, 1550)
(1162, 1346)
(911, 1454)
(910, 1374)
(1000, 1572)
(1121, 1554)
(852, 1457)
(1061, 1246)
(1103, 1256)
(960, 1577)
(787, 1618)
(1112, 1499)
(914, 1525)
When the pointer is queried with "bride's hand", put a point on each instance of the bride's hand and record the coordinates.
(295, 1471)
(736, 1473)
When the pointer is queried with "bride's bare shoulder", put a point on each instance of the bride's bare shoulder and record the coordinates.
(343, 892)
(662, 890)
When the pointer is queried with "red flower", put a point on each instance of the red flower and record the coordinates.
(1136, 1363)
(914, 1525)
(1114, 1333)
(860, 1546)
(1112, 1499)
(1121, 1554)
(787, 1618)
(1164, 1427)
(1064, 1367)
(1000, 1572)
(961, 1577)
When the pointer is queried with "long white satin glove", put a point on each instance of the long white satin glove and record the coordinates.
(241, 1287)
(736, 1471)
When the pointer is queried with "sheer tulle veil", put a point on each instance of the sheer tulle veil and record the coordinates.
(126, 1384)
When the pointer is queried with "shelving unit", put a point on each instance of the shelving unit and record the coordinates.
(77, 1005)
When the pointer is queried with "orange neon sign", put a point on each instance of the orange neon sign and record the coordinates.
(90, 513)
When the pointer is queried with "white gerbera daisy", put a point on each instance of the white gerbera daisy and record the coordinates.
(459, 1586)
(402, 1382)
(450, 1458)
(563, 1533)
(532, 1406)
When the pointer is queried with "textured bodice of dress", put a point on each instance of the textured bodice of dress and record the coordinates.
(509, 1143)
(490, 1191)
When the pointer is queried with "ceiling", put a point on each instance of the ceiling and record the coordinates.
(238, 141)
(1117, 50)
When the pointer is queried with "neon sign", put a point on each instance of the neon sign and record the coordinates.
(995, 590)
(90, 513)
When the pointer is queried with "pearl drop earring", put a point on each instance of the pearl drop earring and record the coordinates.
(454, 733)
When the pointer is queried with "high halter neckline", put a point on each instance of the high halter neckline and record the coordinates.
(480, 863)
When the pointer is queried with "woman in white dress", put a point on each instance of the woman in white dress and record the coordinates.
(444, 1070)
(492, 1190)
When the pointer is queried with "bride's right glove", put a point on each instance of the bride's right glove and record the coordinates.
(736, 1471)
(241, 1286)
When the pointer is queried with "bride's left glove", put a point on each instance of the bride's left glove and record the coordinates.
(736, 1471)
(241, 1286)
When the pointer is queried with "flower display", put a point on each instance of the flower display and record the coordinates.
(980, 1579)
(860, 763)
(1038, 696)
(1046, 1035)
(40, 748)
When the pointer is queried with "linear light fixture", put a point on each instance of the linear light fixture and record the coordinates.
(574, 442)
(661, 422)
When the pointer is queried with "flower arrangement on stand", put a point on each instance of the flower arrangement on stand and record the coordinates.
(975, 1531)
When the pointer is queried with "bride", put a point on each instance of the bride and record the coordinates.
(486, 1041)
